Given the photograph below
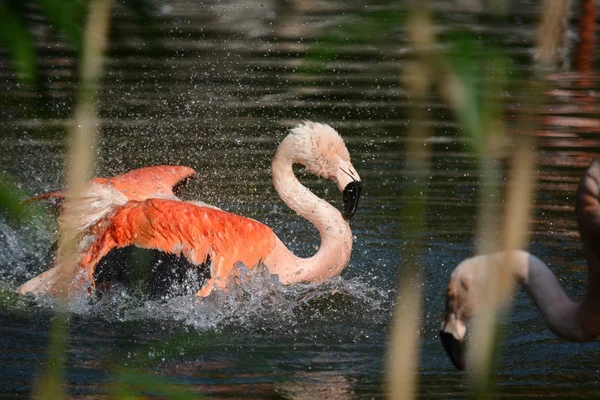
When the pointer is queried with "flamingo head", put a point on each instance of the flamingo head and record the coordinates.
(322, 151)
(462, 300)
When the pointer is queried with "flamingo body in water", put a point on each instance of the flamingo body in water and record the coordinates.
(140, 209)
(574, 321)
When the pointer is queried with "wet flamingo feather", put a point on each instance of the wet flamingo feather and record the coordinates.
(187, 230)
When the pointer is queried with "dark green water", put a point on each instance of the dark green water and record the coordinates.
(218, 95)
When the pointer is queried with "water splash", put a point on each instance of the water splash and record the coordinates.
(23, 250)
(254, 298)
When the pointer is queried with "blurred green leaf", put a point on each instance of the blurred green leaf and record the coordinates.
(67, 17)
(10, 299)
(10, 199)
(463, 58)
(355, 29)
(482, 72)
(19, 42)
(128, 384)
(153, 353)
(146, 19)
(50, 386)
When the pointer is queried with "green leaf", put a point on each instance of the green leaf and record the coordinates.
(51, 384)
(129, 384)
(19, 42)
(146, 20)
(463, 58)
(67, 17)
(10, 199)
(368, 27)
(482, 71)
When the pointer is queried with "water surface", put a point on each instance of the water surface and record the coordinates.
(217, 93)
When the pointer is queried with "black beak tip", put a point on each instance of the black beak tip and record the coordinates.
(455, 349)
(351, 196)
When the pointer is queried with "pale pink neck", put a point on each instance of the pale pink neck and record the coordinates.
(336, 238)
(571, 320)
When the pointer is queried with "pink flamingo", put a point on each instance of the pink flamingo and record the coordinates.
(139, 209)
(578, 322)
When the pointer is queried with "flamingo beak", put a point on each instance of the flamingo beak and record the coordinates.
(349, 183)
(351, 196)
(452, 338)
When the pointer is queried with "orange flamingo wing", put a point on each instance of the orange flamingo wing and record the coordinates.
(139, 184)
(183, 229)
(144, 183)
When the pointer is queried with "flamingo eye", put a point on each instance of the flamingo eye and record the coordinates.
(333, 150)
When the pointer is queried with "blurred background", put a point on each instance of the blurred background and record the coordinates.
(215, 85)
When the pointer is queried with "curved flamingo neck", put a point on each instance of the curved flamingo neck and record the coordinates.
(571, 320)
(336, 238)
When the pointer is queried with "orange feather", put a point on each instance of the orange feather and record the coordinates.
(147, 182)
(139, 184)
(182, 229)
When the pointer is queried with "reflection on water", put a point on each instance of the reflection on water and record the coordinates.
(216, 92)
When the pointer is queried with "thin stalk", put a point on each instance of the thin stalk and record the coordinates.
(402, 362)
(487, 333)
(551, 31)
(500, 286)
(51, 384)
(81, 156)
(79, 167)
(492, 132)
